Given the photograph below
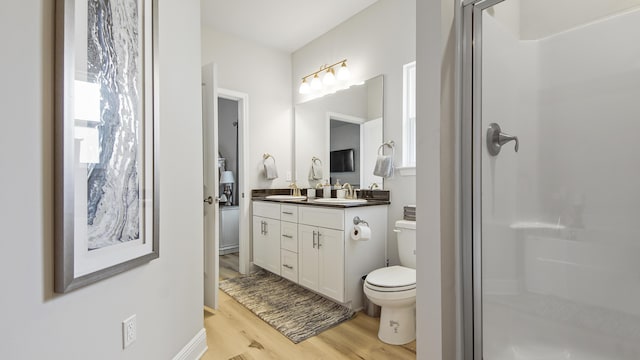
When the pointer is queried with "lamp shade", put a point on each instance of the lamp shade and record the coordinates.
(304, 87)
(343, 72)
(227, 178)
(316, 84)
(329, 78)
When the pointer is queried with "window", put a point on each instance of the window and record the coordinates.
(409, 115)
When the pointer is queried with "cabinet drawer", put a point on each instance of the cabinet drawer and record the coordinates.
(289, 213)
(289, 265)
(289, 236)
(323, 217)
(266, 209)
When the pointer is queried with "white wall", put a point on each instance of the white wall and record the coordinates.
(166, 294)
(437, 175)
(265, 75)
(378, 40)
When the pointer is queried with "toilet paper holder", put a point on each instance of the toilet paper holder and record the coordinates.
(358, 221)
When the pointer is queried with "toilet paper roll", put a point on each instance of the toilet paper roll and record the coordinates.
(360, 233)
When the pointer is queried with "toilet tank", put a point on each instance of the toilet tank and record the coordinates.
(406, 235)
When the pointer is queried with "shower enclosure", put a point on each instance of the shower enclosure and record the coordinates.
(551, 179)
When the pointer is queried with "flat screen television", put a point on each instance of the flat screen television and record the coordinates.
(342, 161)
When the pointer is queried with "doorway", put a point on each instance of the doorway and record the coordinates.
(233, 187)
(232, 147)
(229, 176)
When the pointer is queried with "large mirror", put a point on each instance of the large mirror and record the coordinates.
(337, 136)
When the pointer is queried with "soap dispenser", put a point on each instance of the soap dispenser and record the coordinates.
(326, 189)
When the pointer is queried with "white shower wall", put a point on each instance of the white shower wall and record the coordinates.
(561, 275)
(572, 99)
(589, 113)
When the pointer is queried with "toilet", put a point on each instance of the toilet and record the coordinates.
(393, 288)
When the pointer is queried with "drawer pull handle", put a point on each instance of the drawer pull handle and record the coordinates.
(287, 212)
(288, 266)
(287, 236)
(315, 233)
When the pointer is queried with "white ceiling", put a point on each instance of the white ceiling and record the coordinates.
(281, 24)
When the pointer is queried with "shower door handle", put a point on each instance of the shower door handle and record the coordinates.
(496, 138)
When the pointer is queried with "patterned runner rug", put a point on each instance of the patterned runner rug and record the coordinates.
(295, 312)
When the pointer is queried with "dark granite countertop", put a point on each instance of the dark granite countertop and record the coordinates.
(314, 203)
(373, 197)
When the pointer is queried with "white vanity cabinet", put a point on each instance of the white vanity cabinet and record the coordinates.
(314, 246)
(322, 260)
(266, 236)
(330, 262)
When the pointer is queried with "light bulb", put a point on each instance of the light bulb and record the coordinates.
(343, 73)
(316, 84)
(329, 78)
(304, 87)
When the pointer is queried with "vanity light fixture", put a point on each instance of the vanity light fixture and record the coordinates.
(329, 77)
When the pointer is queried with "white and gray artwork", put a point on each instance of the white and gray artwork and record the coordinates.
(113, 62)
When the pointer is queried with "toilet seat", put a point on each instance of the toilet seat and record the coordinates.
(390, 289)
(391, 279)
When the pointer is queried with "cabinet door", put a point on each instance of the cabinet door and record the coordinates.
(308, 256)
(266, 243)
(331, 263)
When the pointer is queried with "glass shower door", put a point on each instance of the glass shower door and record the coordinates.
(557, 153)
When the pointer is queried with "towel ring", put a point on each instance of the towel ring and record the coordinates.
(390, 144)
(266, 157)
(316, 160)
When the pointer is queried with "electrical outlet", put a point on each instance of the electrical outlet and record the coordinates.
(129, 331)
(288, 178)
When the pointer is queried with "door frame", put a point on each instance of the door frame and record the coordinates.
(347, 119)
(243, 188)
(469, 96)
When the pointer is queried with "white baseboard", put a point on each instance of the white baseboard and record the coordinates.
(195, 348)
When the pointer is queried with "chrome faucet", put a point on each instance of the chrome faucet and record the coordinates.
(295, 191)
(373, 186)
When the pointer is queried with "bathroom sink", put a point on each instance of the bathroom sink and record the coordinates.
(340, 201)
(285, 197)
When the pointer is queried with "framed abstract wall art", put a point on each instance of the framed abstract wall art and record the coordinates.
(106, 174)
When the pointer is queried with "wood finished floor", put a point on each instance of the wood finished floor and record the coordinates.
(229, 265)
(235, 333)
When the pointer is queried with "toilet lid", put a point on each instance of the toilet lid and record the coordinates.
(392, 277)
